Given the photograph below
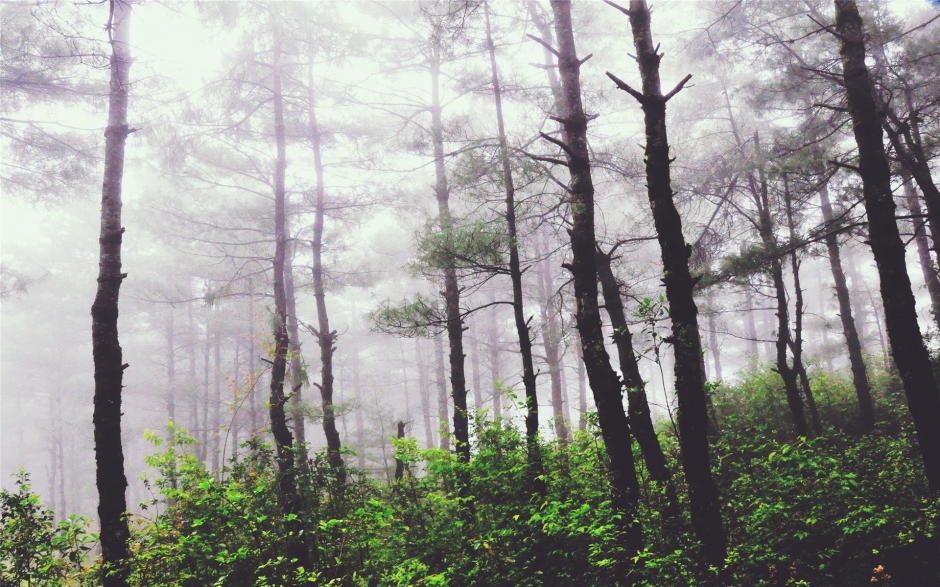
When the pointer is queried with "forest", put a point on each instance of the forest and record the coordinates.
(460, 293)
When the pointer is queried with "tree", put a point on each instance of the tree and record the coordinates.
(106, 348)
(909, 351)
(686, 341)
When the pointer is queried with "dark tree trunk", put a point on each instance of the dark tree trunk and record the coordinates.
(923, 251)
(288, 495)
(582, 384)
(638, 408)
(425, 391)
(604, 381)
(106, 348)
(534, 452)
(690, 390)
(856, 359)
(458, 382)
(326, 338)
(400, 464)
(797, 343)
(910, 354)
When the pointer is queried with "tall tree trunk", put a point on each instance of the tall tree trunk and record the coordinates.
(288, 495)
(638, 408)
(493, 343)
(458, 383)
(425, 391)
(690, 390)
(923, 251)
(193, 389)
(360, 409)
(296, 366)
(910, 354)
(856, 359)
(441, 380)
(252, 366)
(551, 338)
(400, 464)
(582, 387)
(202, 446)
(534, 452)
(326, 338)
(215, 444)
(796, 345)
(475, 373)
(170, 369)
(713, 343)
(106, 348)
(604, 381)
(750, 330)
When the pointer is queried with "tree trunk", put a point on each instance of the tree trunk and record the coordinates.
(799, 307)
(288, 496)
(475, 373)
(170, 370)
(604, 381)
(638, 408)
(856, 359)
(194, 393)
(252, 367)
(400, 464)
(910, 354)
(713, 337)
(687, 345)
(551, 337)
(923, 251)
(360, 410)
(296, 367)
(750, 330)
(425, 392)
(215, 444)
(493, 343)
(441, 392)
(458, 383)
(582, 384)
(533, 451)
(106, 348)
(326, 338)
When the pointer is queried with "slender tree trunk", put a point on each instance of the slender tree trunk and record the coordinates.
(288, 495)
(604, 381)
(799, 307)
(202, 446)
(216, 424)
(425, 391)
(750, 330)
(400, 464)
(106, 348)
(252, 367)
(494, 350)
(582, 383)
(475, 373)
(326, 338)
(923, 251)
(713, 343)
(441, 392)
(693, 411)
(293, 332)
(533, 450)
(910, 354)
(856, 359)
(551, 337)
(360, 409)
(193, 389)
(458, 382)
(170, 370)
(639, 415)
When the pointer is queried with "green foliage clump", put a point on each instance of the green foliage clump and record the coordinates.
(33, 549)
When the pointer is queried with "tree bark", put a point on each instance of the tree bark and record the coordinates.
(687, 345)
(639, 416)
(288, 495)
(458, 383)
(910, 354)
(931, 279)
(604, 381)
(533, 451)
(326, 338)
(106, 348)
(425, 392)
(400, 464)
(856, 359)
(551, 338)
